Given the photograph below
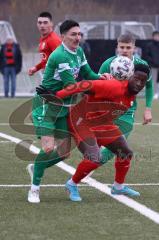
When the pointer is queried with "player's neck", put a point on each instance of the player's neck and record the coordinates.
(45, 35)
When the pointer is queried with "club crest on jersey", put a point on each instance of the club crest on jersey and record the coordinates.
(43, 45)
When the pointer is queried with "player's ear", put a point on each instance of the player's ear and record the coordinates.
(62, 36)
(52, 24)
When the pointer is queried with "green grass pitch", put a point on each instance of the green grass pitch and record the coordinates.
(98, 216)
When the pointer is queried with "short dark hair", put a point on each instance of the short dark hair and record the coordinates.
(155, 33)
(143, 68)
(46, 14)
(126, 38)
(67, 25)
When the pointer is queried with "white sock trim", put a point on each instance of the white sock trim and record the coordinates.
(118, 186)
(35, 187)
(71, 182)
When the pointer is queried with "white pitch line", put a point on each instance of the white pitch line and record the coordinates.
(79, 185)
(42, 185)
(150, 124)
(142, 209)
(15, 124)
(136, 123)
(5, 141)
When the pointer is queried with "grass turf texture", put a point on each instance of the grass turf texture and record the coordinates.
(97, 216)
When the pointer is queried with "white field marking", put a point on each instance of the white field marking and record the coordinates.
(79, 185)
(136, 123)
(150, 124)
(142, 209)
(42, 185)
(15, 124)
(7, 141)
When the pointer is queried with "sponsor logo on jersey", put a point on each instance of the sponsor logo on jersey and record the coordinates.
(64, 66)
(75, 72)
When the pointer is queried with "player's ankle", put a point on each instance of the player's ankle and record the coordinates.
(35, 187)
(71, 182)
(117, 185)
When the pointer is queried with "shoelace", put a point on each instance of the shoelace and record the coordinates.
(35, 192)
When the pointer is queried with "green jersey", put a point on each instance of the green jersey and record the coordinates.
(105, 67)
(63, 68)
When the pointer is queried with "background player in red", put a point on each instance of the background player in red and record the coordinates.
(49, 40)
(91, 132)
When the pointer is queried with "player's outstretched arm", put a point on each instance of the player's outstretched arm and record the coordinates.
(83, 86)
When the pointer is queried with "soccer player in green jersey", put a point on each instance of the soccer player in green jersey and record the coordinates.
(62, 69)
(126, 47)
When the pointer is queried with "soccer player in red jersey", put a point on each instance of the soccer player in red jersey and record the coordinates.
(91, 124)
(49, 41)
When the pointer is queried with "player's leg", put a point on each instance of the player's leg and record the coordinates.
(122, 164)
(90, 162)
(6, 76)
(48, 156)
(13, 81)
(86, 142)
(125, 124)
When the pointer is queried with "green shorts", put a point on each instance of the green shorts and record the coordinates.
(126, 122)
(47, 120)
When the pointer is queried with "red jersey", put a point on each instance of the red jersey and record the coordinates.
(46, 46)
(101, 90)
(93, 116)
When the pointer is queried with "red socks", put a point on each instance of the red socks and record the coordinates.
(83, 169)
(86, 166)
(122, 166)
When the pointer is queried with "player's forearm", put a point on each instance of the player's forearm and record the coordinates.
(40, 65)
(74, 89)
(87, 73)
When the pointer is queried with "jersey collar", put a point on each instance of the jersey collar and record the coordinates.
(68, 50)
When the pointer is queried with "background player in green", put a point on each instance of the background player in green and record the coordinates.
(126, 47)
(62, 69)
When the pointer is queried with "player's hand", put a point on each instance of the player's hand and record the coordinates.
(31, 71)
(106, 76)
(147, 116)
(41, 90)
(44, 92)
(48, 95)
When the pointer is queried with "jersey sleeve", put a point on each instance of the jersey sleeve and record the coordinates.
(105, 67)
(40, 65)
(85, 71)
(149, 92)
(78, 87)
